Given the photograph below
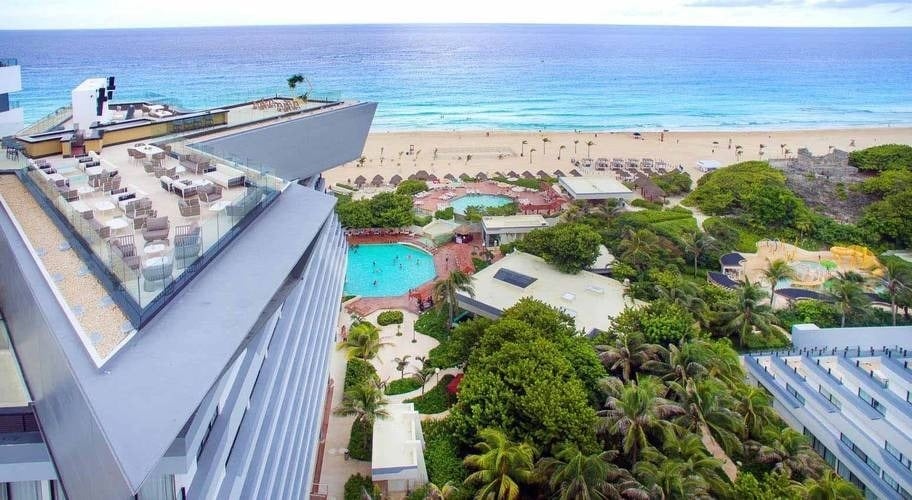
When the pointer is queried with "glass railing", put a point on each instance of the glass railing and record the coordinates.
(144, 267)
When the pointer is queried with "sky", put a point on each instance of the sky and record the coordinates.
(75, 14)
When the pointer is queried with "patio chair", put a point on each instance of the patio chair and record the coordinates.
(103, 230)
(157, 275)
(209, 193)
(189, 207)
(157, 228)
(186, 249)
(125, 249)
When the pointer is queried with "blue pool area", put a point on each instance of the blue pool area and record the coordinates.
(386, 270)
(479, 200)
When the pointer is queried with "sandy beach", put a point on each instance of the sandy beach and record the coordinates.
(470, 152)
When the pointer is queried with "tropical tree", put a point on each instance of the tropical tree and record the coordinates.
(571, 474)
(446, 492)
(746, 312)
(294, 80)
(638, 247)
(366, 402)
(830, 486)
(545, 142)
(752, 403)
(575, 142)
(627, 354)
(670, 477)
(848, 294)
(522, 150)
(561, 148)
(445, 291)
(689, 448)
(589, 144)
(707, 411)
(697, 244)
(501, 467)
(894, 280)
(363, 341)
(531, 150)
(774, 272)
(638, 414)
(361, 161)
(401, 364)
(685, 294)
(788, 452)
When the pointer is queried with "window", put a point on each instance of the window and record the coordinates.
(897, 455)
(791, 390)
(899, 489)
(860, 454)
(867, 398)
(830, 397)
(820, 448)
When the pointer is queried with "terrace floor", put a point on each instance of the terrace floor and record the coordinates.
(101, 321)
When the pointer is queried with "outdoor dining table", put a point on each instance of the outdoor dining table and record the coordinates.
(81, 206)
(149, 150)
(118, 224)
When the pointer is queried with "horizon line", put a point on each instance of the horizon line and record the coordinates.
(436, 23)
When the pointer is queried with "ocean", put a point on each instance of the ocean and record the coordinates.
(516, 77)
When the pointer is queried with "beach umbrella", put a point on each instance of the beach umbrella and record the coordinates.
(360, 181)
(421, 175)
(377, 181)
(465, 177)
(542, 174)
(558, 173)
(395, 180)
(450, 177)
(575, 173)
(433, 178)
(481, 176)
(637, 134)
(512, 174)
(528, 175)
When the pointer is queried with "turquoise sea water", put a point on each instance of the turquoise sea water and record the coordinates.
(522, 77)
(478, 200)
(386, 270)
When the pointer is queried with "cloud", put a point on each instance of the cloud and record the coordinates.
(852, 4)
(834, 4)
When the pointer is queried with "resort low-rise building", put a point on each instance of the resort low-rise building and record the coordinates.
(592, 300)
(11, 116)
(595, 188)
(849, 390)
(397, 457)
(502, 229)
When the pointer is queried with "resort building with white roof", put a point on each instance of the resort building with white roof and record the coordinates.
(502, 229)
(595, 188)
(397, 460)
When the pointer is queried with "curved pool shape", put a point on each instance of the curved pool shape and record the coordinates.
(479, 200)
(386, 270)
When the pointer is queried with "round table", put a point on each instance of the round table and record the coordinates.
(118, 224)
(154, 249)
(218, 206)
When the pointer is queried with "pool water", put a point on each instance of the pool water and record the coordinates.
(386, 270)
(479, 200)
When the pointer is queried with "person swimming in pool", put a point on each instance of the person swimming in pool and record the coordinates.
(375, 282)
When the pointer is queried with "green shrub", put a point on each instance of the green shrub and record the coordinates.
(479, 263)
(357, 484)
(433, 324)
(441, 453)
(346, 186)
(360, 441)
(346, 298)
(359, 371)
(674, 182)
(436, 400)
(641, 203)
(772, 340)
(526, 183)
(883, 157)
(421, 220)
(402, 386)
(507, 248)
(411, 187)
(445, 214)
(390, 318)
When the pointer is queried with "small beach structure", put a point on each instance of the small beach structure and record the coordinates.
(377, 181)
(542, 174)
(595, 188)
(512, 175)
(395, 180)
(558, 173)
(440, 231)
(499, 230)
(708, 165)
(732, 264)
(587, 297)
(422, 175)
(575, 173)
(397, 457)
(450, 177)
(649, 190)
(528, 175)
(481, 176)
(433, 178)
(360, 181)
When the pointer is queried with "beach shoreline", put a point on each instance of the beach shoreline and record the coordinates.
(389, 153)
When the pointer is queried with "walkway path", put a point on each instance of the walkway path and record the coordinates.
(728, 467)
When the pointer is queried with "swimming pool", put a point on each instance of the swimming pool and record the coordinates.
(386, 270)
(479, 200)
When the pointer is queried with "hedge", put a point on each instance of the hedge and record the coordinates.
(445, 214)
(441, 454)
(360, 441)
(359, 371)
(433, 324)
(357, 484)
(436, 400)
(402, 386)
(390, 318)
(346, 186)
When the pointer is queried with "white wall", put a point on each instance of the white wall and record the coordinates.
(11, 121)
(10, 79)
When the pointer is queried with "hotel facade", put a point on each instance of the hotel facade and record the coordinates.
(849, 390)
(194, 364)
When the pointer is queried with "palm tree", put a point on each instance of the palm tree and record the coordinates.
(401, 364)
(895, 279)
(637, 413)
(782, 148)
(575, 142)
(696, 458)
(501, 467)
(627, 354)
(366, 402)
(572, 474)
(707, 405)
(589, 144)
(831, 487)
(746, 313)
(294, 80)
(363, 341)
(638, 247)
(545, 142)
(523, 147)
(752, 403)
(531, 150)
(671, 478)
(849, 295)
(697, 244)
(446, 492)
(561, 148)
(788, 451)
(445, 291)
(739, 151)
(685, 294)
(776, 271)
(361, 161)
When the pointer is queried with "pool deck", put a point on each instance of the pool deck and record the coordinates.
(447, 258)
(529, 200)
